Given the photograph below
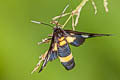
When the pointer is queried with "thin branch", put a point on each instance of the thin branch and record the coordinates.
(78, 10)
(94, 5)
(106, 5)
(42, 58)
(67, 21)
(60, 16)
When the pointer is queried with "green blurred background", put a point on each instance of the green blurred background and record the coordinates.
(97, 59)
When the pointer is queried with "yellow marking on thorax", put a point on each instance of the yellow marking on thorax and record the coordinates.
(62, 43)
(55, 47)
(70, 39)
(62, 38)
(66, 59)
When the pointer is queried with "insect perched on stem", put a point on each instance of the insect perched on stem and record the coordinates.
(59, 47)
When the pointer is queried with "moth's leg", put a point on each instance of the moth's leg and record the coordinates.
(46, 40)
(42, 58)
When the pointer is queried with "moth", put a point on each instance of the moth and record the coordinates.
(59, 47)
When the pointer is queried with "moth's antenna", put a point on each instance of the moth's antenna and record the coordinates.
(37, 22)
(63, 13)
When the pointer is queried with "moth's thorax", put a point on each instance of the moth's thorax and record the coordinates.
(58, 31)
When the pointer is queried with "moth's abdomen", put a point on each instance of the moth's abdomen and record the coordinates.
(65, 55)
(67, 62)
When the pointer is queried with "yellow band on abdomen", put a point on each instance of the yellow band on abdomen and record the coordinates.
(62, 43)
(66, 59)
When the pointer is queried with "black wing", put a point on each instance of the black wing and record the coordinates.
(51, 54)
(77, 38)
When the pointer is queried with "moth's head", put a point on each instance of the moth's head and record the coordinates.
(55, 28)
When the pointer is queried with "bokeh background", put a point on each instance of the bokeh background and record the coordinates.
(97, 59)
